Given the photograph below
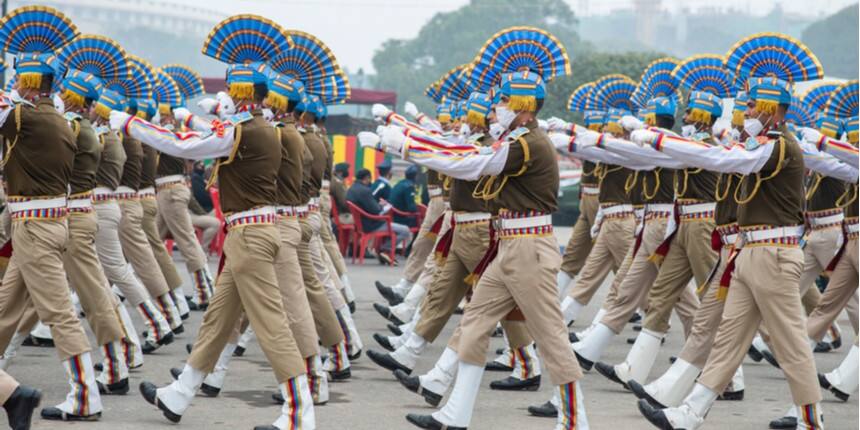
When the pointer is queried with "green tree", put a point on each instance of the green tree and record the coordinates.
(834, 40)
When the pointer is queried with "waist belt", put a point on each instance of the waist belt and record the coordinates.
(125, 193)
(590, 190)
(696, 211)
(313, 204)
(326, 184)
(434, 191)
(772, 236)
(287, 211)
(21, 207)
(302, 211)
(616, 211)
(102, 194)
(825, 219)
(146, 193)
(471, 217)
(263, 215)
(728, 233)
(852, 227)
(168, 181)
(659, 210)
(80, 203)
(514, 224)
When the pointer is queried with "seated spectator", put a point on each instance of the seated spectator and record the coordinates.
(205, 221)
(382, 186)
(361, 195)
(403, 197)
(198, 186)
(338, 192)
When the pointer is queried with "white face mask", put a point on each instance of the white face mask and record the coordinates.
(496, 130)
(58, 104)
(505, 116)
(688, 130)
(752, 126)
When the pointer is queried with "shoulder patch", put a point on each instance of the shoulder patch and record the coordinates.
(518, 133)
(71, 116)
(240, 117)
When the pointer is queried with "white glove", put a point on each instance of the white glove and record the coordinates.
(208, 105)
(59, 105)
(386, 208)
(118, 119)
(410, 109)
(561, 141)
(810, 135)
(585, 138)
(643, 137)
(496, 130)
(631, 123)
(227, 107)
(557, 124)
(181, 114)
(379, 111)
(543, 125)
(465, 130)
(393, 138)
(268, 115)
(368, 139)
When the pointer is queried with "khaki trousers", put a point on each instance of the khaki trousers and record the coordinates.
(323, 266)
(36, 273)
(249, 282)
(448, 287)
(325, 319)
(701, 338)
(690, 256)
(136, 248)
(423, 245)
(428, 274)
(115, 266)
(580, 243)
(637, 281)
(764, 290)
(88, 280)
(173, 216)
(840, 292)
(8, 384)
(150, 228)
(820, 248)
(611, 246)
(327, 235)
(295, 300)
(523, 275)
(210, 226)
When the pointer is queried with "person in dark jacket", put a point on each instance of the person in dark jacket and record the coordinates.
(198, 187)
(382, 186)
(360, 194)
(403, 197)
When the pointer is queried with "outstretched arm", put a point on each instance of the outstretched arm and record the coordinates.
(827, 164)
(736, 159)
(191, 145)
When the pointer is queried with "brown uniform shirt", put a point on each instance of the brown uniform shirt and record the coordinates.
(851, 206)
(778, 200)
(658, 186)
(250, 180)
(86, 158)
(313, 182)
(531, 171)
(133, 166)
(727, 207)
(290, 171)
(612, 185)
(40, 164)
(696, 184)
(823, 193)
(149, 167)
(169, 165)
(589, 174)
(113, 158)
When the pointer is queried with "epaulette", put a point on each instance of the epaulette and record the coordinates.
(71, 116)
(518, 133)
(103, 129)
(240, 117)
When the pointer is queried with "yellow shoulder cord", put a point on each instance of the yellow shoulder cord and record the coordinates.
(840, 201)
(759, 179)
(485, 191)
(630, 182)
(717, 194)
(680, 192)
(221, 162)
(447, 181)
(76, 129)
(17, 133)
(816, 182)
(645, 193)
(593, 171)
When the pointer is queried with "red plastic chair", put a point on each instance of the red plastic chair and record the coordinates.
(344, 231)
(361, 238)
(217, 244)
(413, 230)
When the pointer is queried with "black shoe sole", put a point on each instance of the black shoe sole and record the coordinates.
(609, 372)
(170, 415)
(383, 342)
(754, 354)
(69, 417)
(532, 384)
(493, 366)
(650, 414)
(584, 363)
(385, 365)
(733, 396)
(116, 389)
(209, 390)
(540, 411)
(430, 397)
(639, 391)
(395, 330)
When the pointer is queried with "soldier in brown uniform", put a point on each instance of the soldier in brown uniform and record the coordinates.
(461, 250)
(768, 263)
(521, 181)
(248, 282)
(33, 130)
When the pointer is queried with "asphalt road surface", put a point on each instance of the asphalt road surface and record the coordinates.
(373, 399)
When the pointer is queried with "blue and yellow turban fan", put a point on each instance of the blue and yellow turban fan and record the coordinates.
(657, 91)
(93, 60)
(612, 95)
(709, 82)
(843, 104)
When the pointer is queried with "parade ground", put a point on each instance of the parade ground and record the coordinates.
(373, 399)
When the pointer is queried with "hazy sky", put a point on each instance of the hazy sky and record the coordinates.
(354, 29)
